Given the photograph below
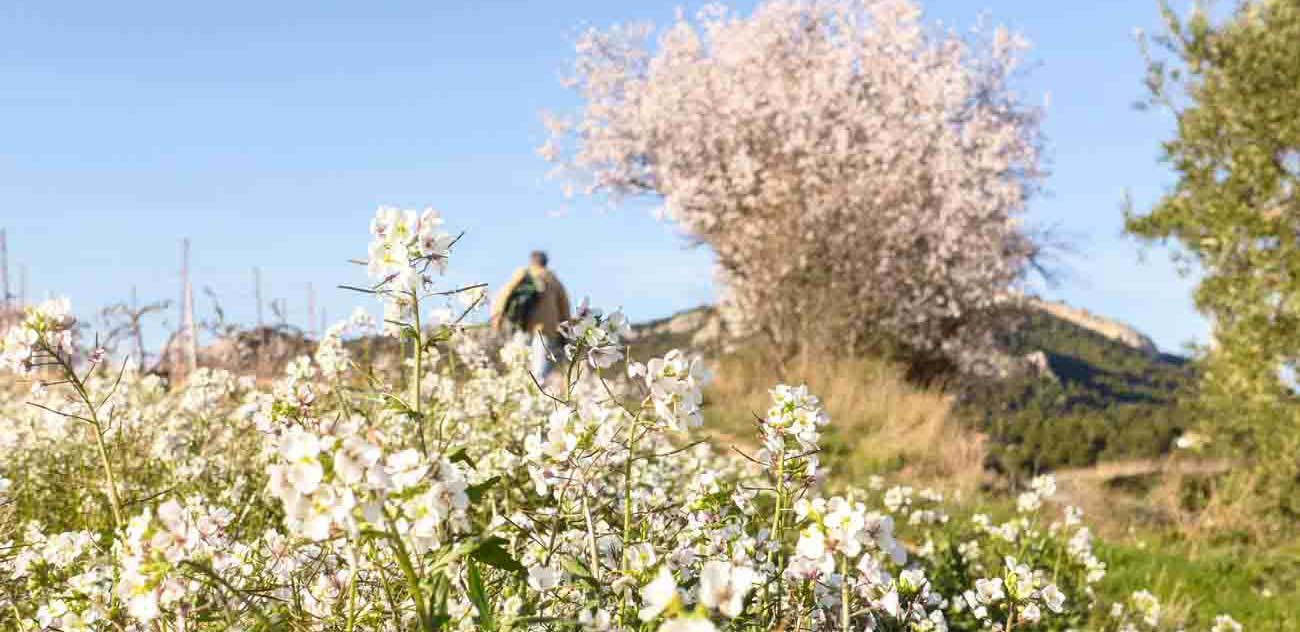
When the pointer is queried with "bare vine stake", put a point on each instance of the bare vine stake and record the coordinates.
(311, 310)
(4, 273)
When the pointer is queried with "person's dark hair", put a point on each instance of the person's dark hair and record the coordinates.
(539, 257)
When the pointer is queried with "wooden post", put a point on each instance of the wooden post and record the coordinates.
(311, 310)
(135, 327)
(191, 335)
(257, 293)
(264, 340)
(178, 363)
(183, 355)
(4, 274)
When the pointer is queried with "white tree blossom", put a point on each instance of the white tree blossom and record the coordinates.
(858, 176)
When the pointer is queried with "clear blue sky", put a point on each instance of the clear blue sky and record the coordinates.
(267, 133)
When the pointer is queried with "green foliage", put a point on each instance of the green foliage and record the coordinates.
(1259, 586)
(1108, 400)
(1233, 87)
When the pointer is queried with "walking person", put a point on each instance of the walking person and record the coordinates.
(534, 301)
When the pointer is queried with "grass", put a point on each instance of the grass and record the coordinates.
(881, 424)
(1260, 588)
(1195, 579)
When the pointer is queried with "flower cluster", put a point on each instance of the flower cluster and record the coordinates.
(791, 431)
(674, 383)
(331, 355)
(598, 336)
(85, 598)
(157, 545)
(1225, 623)
(924, 507)
(838, 527)
(1040, 488)
(1023, 592)
(48, 324)
(402, 238)
(722, 587)
(845, 552)
(317, 500)
(435, 501)
(404, 245)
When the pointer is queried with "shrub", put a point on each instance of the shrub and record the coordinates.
(1232, 85)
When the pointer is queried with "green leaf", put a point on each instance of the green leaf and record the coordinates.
(475, 492)
(438, 592)
(458, 456)
(491, 552)
(478, 596)
(577, 569)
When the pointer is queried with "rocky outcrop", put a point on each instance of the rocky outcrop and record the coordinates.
(1036, 364)
(699, 328)
(1000, 365)
(702, 329)
(1107, 327)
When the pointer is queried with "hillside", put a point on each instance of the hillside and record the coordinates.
(1109, 397)
(1093, 389)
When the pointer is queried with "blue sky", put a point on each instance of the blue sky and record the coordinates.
(267, 133)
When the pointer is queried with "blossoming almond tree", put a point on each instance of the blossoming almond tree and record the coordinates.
(858, 175)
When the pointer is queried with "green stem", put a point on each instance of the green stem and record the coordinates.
(412, 581)
(778, 523)
(627, 491)
(627, 511)
(352, 594)
(844, 592)
(80, 387)
(780, 497)
(108, 473)
(591, 538)
(419, 372)
(388, 591)
(18, 616)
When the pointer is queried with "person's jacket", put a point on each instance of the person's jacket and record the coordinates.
(551, 309)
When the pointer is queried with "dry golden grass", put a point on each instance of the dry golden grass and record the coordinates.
(880, 424)
(1204, 507)
(1119, 496)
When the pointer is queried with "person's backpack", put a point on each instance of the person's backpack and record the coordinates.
(521, 302)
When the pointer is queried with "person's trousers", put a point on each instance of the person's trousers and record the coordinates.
(546, 351)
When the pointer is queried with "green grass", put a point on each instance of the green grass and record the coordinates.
(1202, 582)
(1195, 580)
